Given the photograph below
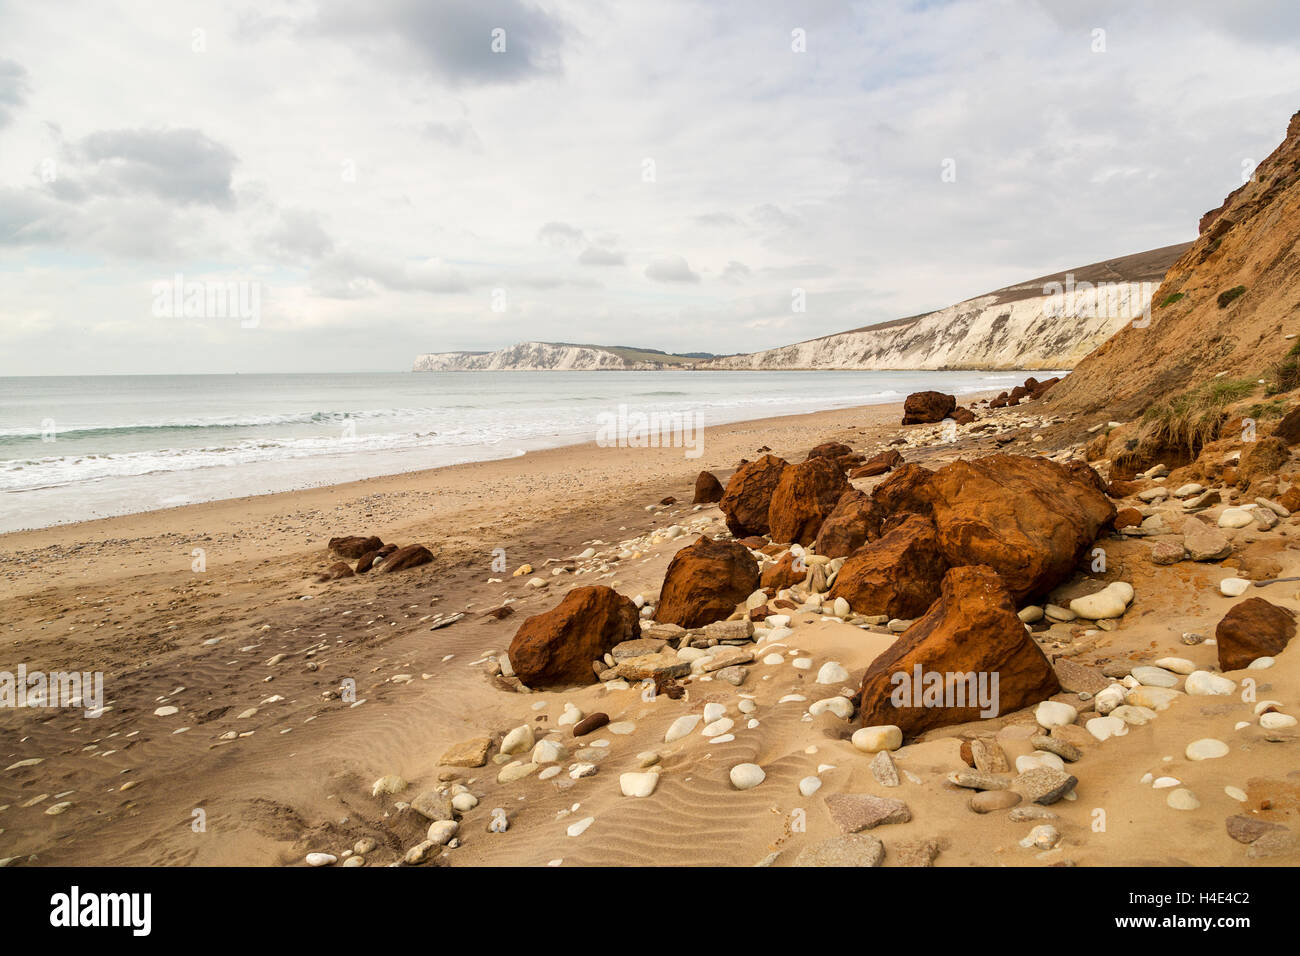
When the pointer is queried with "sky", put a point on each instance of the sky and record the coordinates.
(346, 186)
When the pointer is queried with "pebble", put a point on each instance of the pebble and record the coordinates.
(1233, 587)
(1276, 721)
(389, 783)
(165, 711)
(441, 831)
(515, 771)
(853, 812)
(1052, 713)
(882, 768)
(518, 740)
(579, 828)
(580, 770)
(975, 780)
(809, 785)
(463, 802)
(1176, 665)
(1235, 518)
(321, 859)
(832, 672)
(1182, 799)
(875, 739)
(1044, 837)
(841, 707)
(1055, 745)
(747, 776)
(681, 727)
(846, 850)
(1205, 684)
(1154, 677)
(987, 801)
(547, 751)
(1207, 748)
(1045, 785)
(638, 784)
(718, 727)
(591, 722)
(1103, 728)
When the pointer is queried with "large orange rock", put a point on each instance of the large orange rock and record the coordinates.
(1251, 630)
(705, 581)
(785, 573)
(972, 630)
(855, 521)
(806, 494)
(898, 575)
(557, 647)
(749, 495)
(1030, 519)
(921, 408)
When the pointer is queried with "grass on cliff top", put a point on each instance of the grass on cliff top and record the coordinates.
(1285, 375)
(1189, 421)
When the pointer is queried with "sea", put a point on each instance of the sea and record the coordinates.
(79, 447)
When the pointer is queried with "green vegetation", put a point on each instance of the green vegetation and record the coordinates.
(1285, 375)
(1187, 422)
(1172, 298)
(1263, 411)
(1235, 292)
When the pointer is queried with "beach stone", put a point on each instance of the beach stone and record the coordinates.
(681, 727)
(1133, 715)
(1031, 614)
(1165, 553)
(1205, 684)
(804, 496)
(884, 770)
(518, 740)
(389, 783)
(433, 805)
(590, 723)
(988, 801)
(464, 802)
(1042, 837)
(1204, 542)
(467, 753)
(1079, 678)
(1031, 812)
(875, 739)
(841, 707)
(832, 672)
(718, 727)
(557, 646)
(850, 849)
(705, 582)
(411, 556)
(656, 667)
(853, 812)
(741, 630)
(1252, 629)
(1182, 799)
(971, 629)
(988, 756)
(1045, 785)
(923, 408)
(1051, 713)
(1235, 518)
(442, 831)
(1274, 721)
(638, 784)
(1154, 677)
(1107, 603)
(747, 776)
(748, 496)
(708, 490)
(321, 859)
(421, 853)
(899, 574)
(809, 785)
(733, 675)
(637, 647)
(354, 546)
(1176, 665)
(1155, 698)
(547, 751)
(1054, 745)
(975, 780)
(916, 853)
(1274, 843)
(1207, 748)
(1103, 728)
(726, 657)
(516, 771)
(1247, 829)
(1233, 587)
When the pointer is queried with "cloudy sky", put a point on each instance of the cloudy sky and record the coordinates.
(395, 176)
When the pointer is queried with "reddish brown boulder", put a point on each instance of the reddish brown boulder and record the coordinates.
(367, 560)
(1119, 488)
(354, 546)
(878, 464)
(1262, 460)
(1039, 389)
(904, 490)
(962, 416)
(783, 574)
(1018, 393)
(831, 450)
(1030, 519)
(707, 489)
(339, 569)
(1251, 630)
(855, 521)
(1127, 518)
(1288, 429)
(923, 408)
(704, 583)
(558, 646)
(410, 556)
(749, 495)
(1290, 499)
(971, 630)
(898, 575)
(1085, 473)
(803, 498)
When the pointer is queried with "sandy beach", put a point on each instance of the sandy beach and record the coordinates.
(225, 742)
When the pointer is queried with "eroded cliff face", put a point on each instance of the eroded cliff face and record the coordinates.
(1249, 241)
(1047, 323)
(526, 356)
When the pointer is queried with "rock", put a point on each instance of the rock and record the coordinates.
(1109, 602)
(1235, 518)
(1233, 587)
(989, 801)
(1079, 678)
(1155, 698)
(1042, 837)
(1051, 713)
(1032, 812)
(547, 751)
(516, 771)
(442, 831)
(1031, 614)
(976, 780)
(747, 776)
(878, 464)
(467, 753)
(519, 740)
(708, 490)
(1045, 785)
(853, 812)
(1207, 748)
(855, 520)
(875, 739)
(321, 859)
(850, 849)
(705, 582)
(556, 647)
(464, 802)
(421, 853)
(971, 629)
(638, 784)
(638, 647)
(1265, 457)
(433, 805)
(1154, 677)
(748, 496)
(1254, 628)
(1204, 542)
(1274, 843)
(1053, 745)
(841, 707)
(681, 727)
(1182, 799)
(809, 785)
(832, 672)
(1246, 829)
(898, 575)
(733, 675)
(1165, 553)
(354, 546)
(987, 756)
(590, 723)
(411, 556)
(339, 569)
(389, 783)
(883, 769)
(790, 570)
(923, 408)
(1205, 684)
(656, 667)
(803, 498)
